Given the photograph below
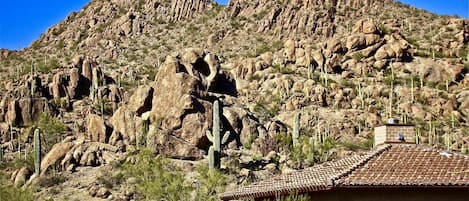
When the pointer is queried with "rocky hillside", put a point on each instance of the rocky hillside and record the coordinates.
(122, 80)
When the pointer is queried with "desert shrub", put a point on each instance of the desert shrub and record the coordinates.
(277, 45)
(358, 56)
(51, 130)
(384, 29)
(19, 162)
(313, 150)
(51, 180)
(283, 69)
(8, 192)
(157, 179)
(260, 15)
(235, 24)
(49, 66)
(60, 44)
(111, 180)
(284, 141)
(251, 140)
(354, 146)
(263, 48)
(210, 183)
(266, 110)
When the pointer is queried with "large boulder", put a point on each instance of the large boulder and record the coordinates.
(396, 47)
(140, 101)
(365, 26)
(31, 109)
(289, 49)
(74, 152)
(181, 107)
(22, 176)
(57, 153)
(124, 125)
(97, 130)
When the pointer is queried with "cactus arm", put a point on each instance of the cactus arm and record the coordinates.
(37, 149)
(209, 136)
(225, 137)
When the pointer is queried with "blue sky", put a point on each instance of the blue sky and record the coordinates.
(23, 21)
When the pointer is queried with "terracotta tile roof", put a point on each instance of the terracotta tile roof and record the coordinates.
(316, 178)
(412, 165)
(389, 165)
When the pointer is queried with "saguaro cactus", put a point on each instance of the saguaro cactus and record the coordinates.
(33, 86)
(360, 94)
(417, 136)
(391, 97)
(214, 137)
(37, 151)
(296, 130)
(92, 93)
(310, 71)
(412, 90)
(463, 148)
(101, 105)
(1, 154)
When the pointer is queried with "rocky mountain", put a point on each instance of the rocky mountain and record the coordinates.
(122, 77)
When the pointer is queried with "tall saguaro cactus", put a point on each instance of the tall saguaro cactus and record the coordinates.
(214, 152)
(1, 154)
(37, 151)
(296, 130)
(412, 90)
(33, 86)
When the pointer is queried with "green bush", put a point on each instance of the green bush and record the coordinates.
(284, 141)
(111, 180)
(384, 29)
(283, 69)
(20, 162)
(310, 151)
(277, 45)
(364, 145)
(266, 110)
(157, 179)
(251, 140)
(51, 130)
(358, 56)
(49, 66)
(210, 183)
(8, 192)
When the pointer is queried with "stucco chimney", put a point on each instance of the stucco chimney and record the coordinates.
(392, 132)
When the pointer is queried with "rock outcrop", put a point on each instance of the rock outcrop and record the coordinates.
(75, 152)
(97, 130)
(181, 105)
(183, 9)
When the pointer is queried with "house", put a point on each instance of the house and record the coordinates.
(396, 169)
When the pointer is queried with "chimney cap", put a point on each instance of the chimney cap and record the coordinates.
(393, 121)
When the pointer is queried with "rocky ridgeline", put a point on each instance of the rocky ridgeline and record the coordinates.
(314, 17)
(117, 19)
